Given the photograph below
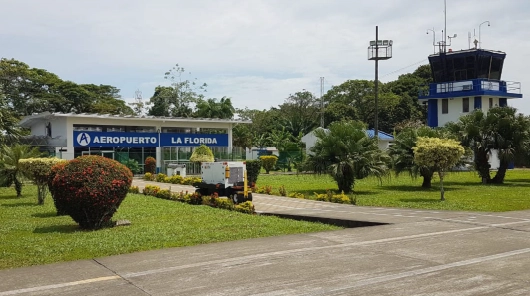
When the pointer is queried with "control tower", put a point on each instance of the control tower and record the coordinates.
(463, 81)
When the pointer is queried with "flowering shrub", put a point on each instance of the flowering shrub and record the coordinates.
(149, 177)
(151, 190)
(330, 196)
(175, 179)
(161, 177)
(134, 189)
(245, 207)
(61, 207)
(91, 189)
(191, 180)
(268, 162)
(267, 189)
(282, 191)
(181, 196)
(164, 194)
(224, 203)
(297, 195)
(150, 165)
(38, 170)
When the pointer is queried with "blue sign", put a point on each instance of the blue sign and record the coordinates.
(100, 139)
(117, 139)
(193, 140)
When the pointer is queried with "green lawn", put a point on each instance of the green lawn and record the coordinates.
(32, 234)
(463, 191)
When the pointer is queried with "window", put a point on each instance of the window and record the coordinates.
(465, 105)
(445, 106)
(491, 103)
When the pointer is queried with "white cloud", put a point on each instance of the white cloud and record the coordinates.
(255, 51)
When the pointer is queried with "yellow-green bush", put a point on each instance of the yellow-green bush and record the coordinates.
(149, 177)
(164, 194)
(330, 196)
(38, 170)
(202, 154)
(297, 195)
(134, 189)
(245, 207)
(161, 177)
(175, 179)
(268, 162)
(151, 190)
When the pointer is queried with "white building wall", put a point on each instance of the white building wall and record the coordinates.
(59, 128)
(310, 140)
(454, 110)
(39, 129)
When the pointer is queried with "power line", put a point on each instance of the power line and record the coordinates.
(399, 70)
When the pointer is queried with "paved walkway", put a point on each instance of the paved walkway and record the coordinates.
(416, 253)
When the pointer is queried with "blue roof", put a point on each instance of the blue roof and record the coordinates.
(380, 134)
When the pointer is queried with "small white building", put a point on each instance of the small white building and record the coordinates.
(255, 152)
(384, 142)
(123, 137)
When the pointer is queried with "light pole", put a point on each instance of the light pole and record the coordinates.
(373, 54)
(433, 38)
(479, 42)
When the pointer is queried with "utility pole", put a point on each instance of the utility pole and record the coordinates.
(376, 125)
(322, 102)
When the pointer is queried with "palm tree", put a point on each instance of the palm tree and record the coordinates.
(502, 129)
(9, 164)
(510, 136)
(470, 130)
(346, 152)
(403, 155)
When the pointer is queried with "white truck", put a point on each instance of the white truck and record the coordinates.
(226, 179)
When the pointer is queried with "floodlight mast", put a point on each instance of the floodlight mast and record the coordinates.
(386, 46)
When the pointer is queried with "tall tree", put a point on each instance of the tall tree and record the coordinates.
(176, 99)
(355, 100)
(300, 113)
(211, 108)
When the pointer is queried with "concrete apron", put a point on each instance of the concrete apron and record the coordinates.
(416, 253)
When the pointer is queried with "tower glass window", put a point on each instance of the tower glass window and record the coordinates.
(445, 106)
(465, 105)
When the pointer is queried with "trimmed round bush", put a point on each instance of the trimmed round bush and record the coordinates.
(150, 165)
(90, 189)
(61, 211)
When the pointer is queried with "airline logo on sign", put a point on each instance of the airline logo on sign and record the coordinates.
(83, 139)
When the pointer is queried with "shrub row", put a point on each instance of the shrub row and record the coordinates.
(194, 198)
(329, 196)
(175, 179)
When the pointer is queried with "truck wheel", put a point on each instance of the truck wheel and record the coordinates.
(249, 196)
(234, 198)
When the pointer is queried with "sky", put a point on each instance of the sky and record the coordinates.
(256, 52)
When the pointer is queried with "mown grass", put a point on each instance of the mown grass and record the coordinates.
(32, 234)
(463, 191)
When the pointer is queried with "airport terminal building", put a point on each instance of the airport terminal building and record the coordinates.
(124, 137)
